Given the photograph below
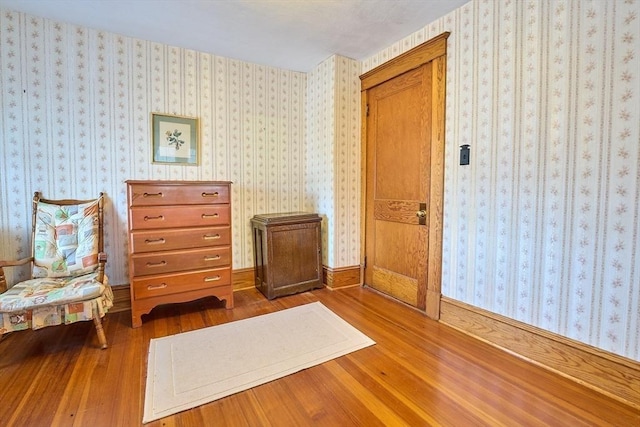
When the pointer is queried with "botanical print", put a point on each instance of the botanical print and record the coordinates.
(173, 138)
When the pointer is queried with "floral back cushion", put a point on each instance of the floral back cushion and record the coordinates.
(66, 240)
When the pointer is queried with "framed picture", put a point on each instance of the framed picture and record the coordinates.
(174, 139)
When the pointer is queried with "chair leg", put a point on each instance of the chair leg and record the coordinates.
(101, 337)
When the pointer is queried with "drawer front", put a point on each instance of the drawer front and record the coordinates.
(176, 194)
(183, 260)
(143, 218)
(175, 283)
(179, 238)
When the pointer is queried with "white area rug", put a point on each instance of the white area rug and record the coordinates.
(193, 368)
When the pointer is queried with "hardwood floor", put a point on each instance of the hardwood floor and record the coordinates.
(419, 373)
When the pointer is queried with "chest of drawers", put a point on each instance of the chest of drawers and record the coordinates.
(179, 243)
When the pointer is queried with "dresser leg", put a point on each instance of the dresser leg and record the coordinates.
(136, 320)
(228, 302)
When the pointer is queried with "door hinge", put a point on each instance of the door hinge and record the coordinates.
(367, 110)
(365, 262)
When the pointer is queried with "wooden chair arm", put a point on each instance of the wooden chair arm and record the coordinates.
(3, 279)
(22, 261)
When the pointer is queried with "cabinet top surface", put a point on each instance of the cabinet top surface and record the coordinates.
(157, 182)
(271, 218)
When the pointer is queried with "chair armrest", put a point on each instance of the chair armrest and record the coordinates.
(3, 279)
(22, 261)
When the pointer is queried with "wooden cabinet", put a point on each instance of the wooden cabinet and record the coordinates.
(179, 243)
(287, 253)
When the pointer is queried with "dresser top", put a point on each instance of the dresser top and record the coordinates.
(169, 182)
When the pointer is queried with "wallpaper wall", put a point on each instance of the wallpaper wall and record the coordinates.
(76, 106)
(321, 132)
(347, 188)
(75, 111)
(544, 225)
(333, 173)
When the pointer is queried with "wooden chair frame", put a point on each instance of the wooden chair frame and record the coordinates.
(102, 256)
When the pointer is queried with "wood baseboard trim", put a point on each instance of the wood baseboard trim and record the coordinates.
(333, 278)
(342, 277)
(121, 298)
(243, 278)
(607, 373)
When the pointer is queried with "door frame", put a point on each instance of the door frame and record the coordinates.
(435, 51)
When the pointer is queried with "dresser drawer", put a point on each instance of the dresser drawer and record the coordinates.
(178, 238)
(154, 194)
(183, 260)
(179, 216)
(174, 283)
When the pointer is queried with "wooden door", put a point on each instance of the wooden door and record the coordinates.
(403, 132)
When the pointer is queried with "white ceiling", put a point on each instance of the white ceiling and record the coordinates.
(291, 34)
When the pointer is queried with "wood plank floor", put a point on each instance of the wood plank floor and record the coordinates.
(419, 373)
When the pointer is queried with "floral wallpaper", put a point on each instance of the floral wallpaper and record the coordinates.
(347, 189)
(75, 120)
(544, 225)
(321, 131)
(333, 168)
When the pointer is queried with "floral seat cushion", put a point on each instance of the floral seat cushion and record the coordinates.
(41, 302)
(50, 291)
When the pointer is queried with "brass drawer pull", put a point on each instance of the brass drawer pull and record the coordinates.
(207, 216)
(212, 258)
(215, 194)
(152, 195)
(212, 279)
(154, 287)
(155, 241)
(211, 236)
(153, 218)
(156, 264)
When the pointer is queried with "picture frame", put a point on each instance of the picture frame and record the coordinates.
(174, 139)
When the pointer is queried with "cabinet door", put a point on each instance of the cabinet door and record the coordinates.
(295, 254)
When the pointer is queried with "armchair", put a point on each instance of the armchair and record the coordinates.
(67, 281)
